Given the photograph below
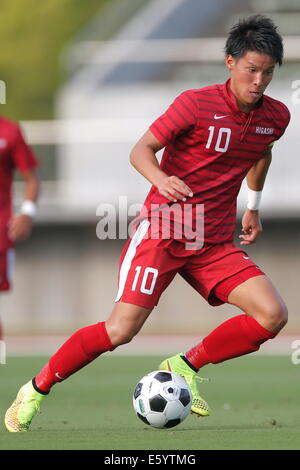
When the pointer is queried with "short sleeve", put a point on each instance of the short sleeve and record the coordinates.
(21, 154)
(179, 118)
(285, 117)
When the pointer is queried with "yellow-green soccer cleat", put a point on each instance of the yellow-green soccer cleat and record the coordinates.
(179, 366)
(27, 404)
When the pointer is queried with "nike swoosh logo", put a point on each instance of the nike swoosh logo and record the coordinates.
(246, 257)
(58, 376)
(220, 117)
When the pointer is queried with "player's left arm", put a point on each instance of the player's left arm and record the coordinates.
(251, 223)
(20, 225)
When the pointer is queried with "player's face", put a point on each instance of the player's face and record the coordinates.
(250, 76)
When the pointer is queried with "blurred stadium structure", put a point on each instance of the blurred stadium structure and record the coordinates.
(65, 276)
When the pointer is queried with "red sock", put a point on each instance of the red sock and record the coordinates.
(78, 351)
(197, 356)
(235, 337)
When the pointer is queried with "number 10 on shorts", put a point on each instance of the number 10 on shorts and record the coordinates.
(148, 280)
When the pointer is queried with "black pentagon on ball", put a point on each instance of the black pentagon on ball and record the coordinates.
(163, 376)
(184, 396)
(137, 390)
(171, 423)
(157, 403)
(143, 418)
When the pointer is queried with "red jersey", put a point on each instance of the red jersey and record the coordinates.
(211, 145)
(14, 154)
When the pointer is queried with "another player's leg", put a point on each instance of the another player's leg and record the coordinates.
(1, 330)
(79, 350)
(6, 269)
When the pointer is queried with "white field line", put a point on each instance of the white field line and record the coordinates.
(141, 345)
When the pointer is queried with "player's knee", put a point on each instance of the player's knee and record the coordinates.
(275, 316)
(124, 337)
(283, 316)
(120, 334)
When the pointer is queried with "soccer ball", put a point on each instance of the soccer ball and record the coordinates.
(162, 399)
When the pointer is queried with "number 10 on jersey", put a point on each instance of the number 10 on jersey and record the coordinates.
(223, 131)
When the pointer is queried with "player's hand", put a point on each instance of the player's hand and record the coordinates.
(174, 189)
(19, 227)
(251, 227)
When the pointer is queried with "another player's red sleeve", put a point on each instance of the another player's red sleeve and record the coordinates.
(21, 154)
(180, 117)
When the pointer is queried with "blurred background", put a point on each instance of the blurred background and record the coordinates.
(85, 80)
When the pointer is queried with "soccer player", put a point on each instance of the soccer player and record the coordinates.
(213, 137)
(15, 154)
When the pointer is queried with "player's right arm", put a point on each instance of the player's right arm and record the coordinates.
(143, 159)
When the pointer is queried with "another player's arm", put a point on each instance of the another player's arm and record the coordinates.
(143, 158)
(20, 225)
(251, 224)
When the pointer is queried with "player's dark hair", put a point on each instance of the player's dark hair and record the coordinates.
(255, 33)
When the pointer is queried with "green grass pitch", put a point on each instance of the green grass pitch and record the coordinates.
(254, 401)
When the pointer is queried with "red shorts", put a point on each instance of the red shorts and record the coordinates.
(6, 268)
(147, 266)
